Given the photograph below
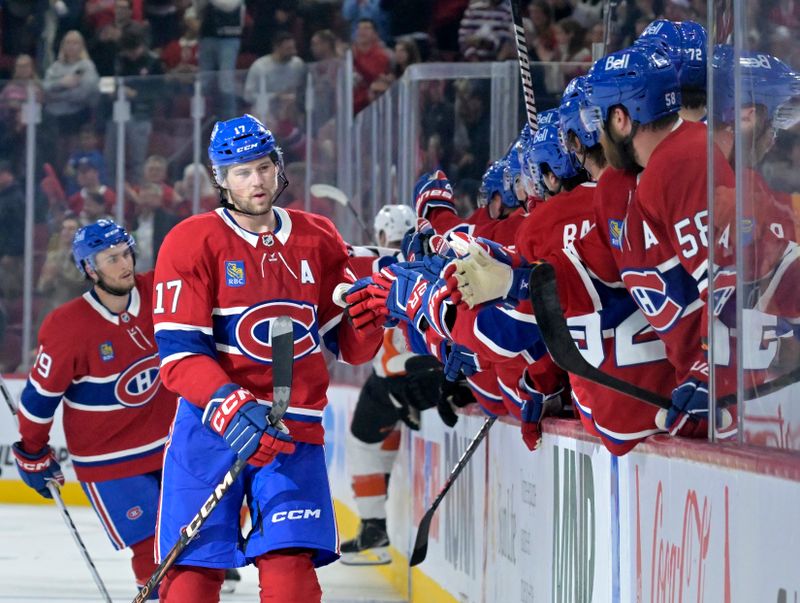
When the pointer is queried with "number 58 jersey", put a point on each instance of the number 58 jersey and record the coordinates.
(219, 289)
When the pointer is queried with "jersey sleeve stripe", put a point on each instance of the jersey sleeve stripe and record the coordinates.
(510, 393)
(92, 407)
(178, 326)
(585, 279)
(483, 392)
(193, 342)
(35, 418)
(175, 357)
(42, 391)
(90, 379)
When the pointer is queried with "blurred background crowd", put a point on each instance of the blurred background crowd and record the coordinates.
(76, 59)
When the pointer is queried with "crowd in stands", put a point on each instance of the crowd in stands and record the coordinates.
(254, 56)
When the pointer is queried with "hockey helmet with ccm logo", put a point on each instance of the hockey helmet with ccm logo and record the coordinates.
(240, 140)
(641, 79)
(94, 238)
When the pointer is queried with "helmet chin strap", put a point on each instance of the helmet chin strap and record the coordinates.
(223, 198)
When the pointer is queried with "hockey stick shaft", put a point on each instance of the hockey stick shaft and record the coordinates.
(55, 492)
(421, 542)
(283, 356)
(559, 342)
(524, 66)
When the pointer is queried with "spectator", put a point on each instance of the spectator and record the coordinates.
(164, 21)
(88, 147)
(181, 55)
(295, 193)
(324, 74)
(473, 132)
(134, 62)
(288, 126)
(570, 48)
(406, 53)
(437, 119)
(155, 172)
(370, 60)
(12, 229)
(409, 19)
(104, 45)
(60, 279)
(70, 87)
(355, 11)
(485, 33)
(539, 33)
(678, 10)
(88, 176)
(94, 209)
(446, 20)
(12, 97)
(465, 195)
(280, 71)
(208, 195)
(220, 39)
(151, 225)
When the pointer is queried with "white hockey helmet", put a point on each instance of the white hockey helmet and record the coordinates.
(395, 221)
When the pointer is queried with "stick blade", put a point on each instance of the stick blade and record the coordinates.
(421, 543)
(282, 336)
(328, 191)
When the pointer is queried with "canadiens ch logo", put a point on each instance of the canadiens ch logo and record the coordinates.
(234, 274)
(649, 291)
(106, 351)
(138, 383)
(252, 330)
(134, 513)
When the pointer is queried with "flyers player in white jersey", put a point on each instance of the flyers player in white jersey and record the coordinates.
(97, 354)
(222, 278)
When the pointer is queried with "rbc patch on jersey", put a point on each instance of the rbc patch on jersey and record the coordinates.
(234, 274)
(106, 351)
(615, 233)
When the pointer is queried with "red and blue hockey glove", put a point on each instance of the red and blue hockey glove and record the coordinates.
(459, 360)
(234, 414)
(366, 305)
(689, 403)
(433, 191)
(37, 468)
(533, 410)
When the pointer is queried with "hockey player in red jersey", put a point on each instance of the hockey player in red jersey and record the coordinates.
(98, 354)
(221, 279)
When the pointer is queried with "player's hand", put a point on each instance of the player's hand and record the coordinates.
(459, 360)
(37, 468)
(234, 414)
(480, 278)
(455, 395)
(534, 406)
(689, 403)
(366, 305)
(433, 191)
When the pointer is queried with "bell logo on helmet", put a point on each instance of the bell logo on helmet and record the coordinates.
(653, 28)
(614, 63)
(760, 60)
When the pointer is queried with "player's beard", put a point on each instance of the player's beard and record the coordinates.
(115, 289)
(252, 208)
(620, 154)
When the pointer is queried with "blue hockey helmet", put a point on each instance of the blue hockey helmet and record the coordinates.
(496, 181)
(685, 45)
(569, 113)
(640, 78)
(94, 238)
(240, 140)
(547, 148)
(766, 81)
(531, 175)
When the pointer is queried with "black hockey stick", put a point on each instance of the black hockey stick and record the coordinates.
(559, 342)
(421, 543)
(55, 492)
(524, 66)
(282, 361)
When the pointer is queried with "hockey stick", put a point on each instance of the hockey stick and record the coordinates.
(524, 66)
(559, 342)
(421, 543)
(55, 492)
(282, 360)
(328, 191)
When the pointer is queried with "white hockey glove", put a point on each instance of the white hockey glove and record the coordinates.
(482, 278)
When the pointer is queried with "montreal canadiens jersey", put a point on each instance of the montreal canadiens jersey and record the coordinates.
(218, 289)
(479, 224)
(104, 367)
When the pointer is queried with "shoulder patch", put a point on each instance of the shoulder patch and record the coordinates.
(234, 273)
(106, 351)
(615, 233)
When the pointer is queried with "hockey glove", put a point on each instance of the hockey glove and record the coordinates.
(533, 410)
(433, 191)
(366, 305)
(480, 278)
(689, 402)
(425, 378)
(234, 414)
(459, 360)
(37, 468)
(455, 395)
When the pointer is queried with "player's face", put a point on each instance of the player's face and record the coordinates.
(252, 185)
(114, 266)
